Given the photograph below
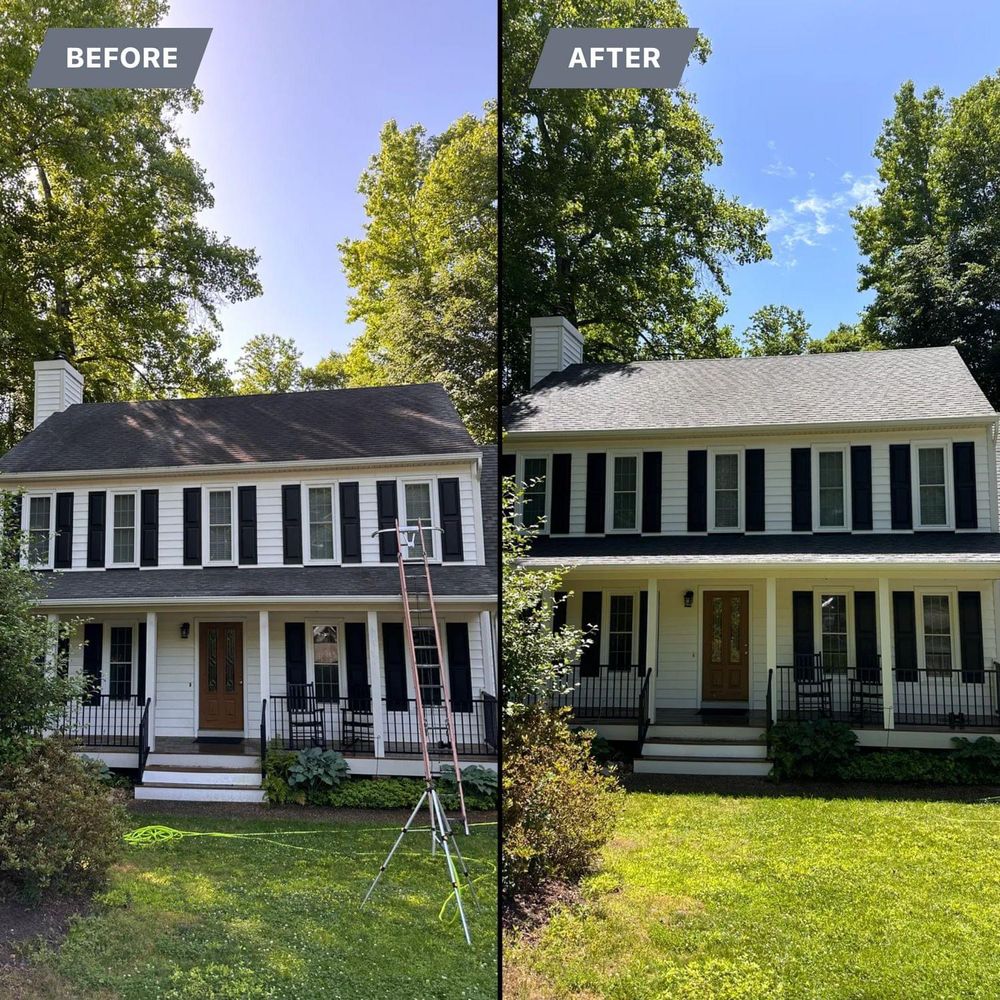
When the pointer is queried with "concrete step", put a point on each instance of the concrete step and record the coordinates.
(697, 732)
(162, 775)
(223, 761)
(173, 792)
(738, 766)
(733, 749)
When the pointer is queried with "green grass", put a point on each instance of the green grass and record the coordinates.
(206, 918)
(726, 898)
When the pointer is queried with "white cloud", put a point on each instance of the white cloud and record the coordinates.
(777, 167)
(814, 216)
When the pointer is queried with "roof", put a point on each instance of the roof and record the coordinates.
(219, 430)
(855, 387)
(933, 547)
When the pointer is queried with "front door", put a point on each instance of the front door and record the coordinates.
(220, 676)
(725, 646)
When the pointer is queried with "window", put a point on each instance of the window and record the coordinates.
(534, 479)
(220, 525)
(120, 663)
(419, 512)
(40, 531)
(834, 631)
(936, 630)
(123, 533)
(621, 622)
(932, 487)
(326, 662)
(624, 492)
(321, 536)
(725, 486)
(428, 668)
(831, 506)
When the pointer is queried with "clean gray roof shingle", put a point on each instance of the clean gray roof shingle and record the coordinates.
(330, 424)
(923, 384)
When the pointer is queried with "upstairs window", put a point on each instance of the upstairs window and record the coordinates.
(219, 525)
(533, 501)
(321, 535)
(326, 662)
(932, 487)
(830, 496)
(724, 491)
(120, 663)
(418, 511)
(40, 531)
(621, 627)
(123, 532)
(624, 492)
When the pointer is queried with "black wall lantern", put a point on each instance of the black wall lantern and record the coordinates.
(185, 630)
(688, 598)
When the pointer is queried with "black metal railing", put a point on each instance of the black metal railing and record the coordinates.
(473, 723)
(644, 707)
(144, 738)
(341, 725)
(809, 689)
(610, 693)
(103, 721)
(263, 739)
(491, 721)
(947, 699)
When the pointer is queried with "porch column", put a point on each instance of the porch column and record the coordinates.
(265, 663)
(771, 640)
(885, 649)
(151, 675)
(375, 684)
(489, 653)
(52, 653)
(652, 642)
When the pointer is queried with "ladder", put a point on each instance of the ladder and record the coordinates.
(435, 721)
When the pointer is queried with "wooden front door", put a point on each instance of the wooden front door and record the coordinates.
(220, 675)
(725, 646)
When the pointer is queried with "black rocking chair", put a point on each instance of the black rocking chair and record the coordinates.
(813, 685)
(866, 687)
(356, 722)
(305, 716)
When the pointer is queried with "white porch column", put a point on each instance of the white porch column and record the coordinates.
(489, 653)
(265, 664)
(771, 640)
(151, 675)
(885, 649)
(652, 642)
(375, 684)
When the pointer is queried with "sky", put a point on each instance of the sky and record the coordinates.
(295, 94)
(797, 91)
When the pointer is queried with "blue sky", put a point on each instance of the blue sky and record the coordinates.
(797, 91)
(295, 94)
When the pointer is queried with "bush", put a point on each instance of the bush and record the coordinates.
(817, 749)
(314, 767)
(558, 807)
(477, 781)
(58, 825)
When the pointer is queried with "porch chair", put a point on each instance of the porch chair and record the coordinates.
(866, 686)
(305, 716)
(357, 724)
(813, 685)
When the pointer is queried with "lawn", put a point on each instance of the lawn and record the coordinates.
(721, 897)
(207, 918)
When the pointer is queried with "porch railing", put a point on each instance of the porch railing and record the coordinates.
(144, 738)
(103, 721)
(810, 689)
(475, 728)
(947, 699)
(341, 726)
(644, 707)
(263, 739)
(609, 694)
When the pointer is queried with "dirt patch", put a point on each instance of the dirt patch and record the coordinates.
(527, 913)
(23, 925)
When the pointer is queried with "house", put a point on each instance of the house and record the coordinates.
(216, 550)
(763, 539)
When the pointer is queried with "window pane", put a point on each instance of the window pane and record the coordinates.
(220, 543)
(220, 526)
(220, 506)
(39, 511)
(123, 545)
(620, 631)
(937, 632)
(727, 472)
(120, 664)
(831, 508)
(321, 523)
(833, 626)
(727, 491)
(931, 461)
(625, 484)
(533, 508)
(326, 661)
(831, 489)
(124, 511)
(933, 497)
(831, 468)
(933, 505)
(417, 497)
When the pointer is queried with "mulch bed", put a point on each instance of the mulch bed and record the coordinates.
(46, 922)
(528, 913)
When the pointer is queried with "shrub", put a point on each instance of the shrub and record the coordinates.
(902, 767)
(58, 825)
(314, 767)
(558, 807)
(817, 749)
(977, 761)
(480, 782)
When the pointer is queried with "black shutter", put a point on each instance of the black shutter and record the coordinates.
(291, 524)
(802, 519)
(652, 491)
(590, 658)
(96, 503)
(149, 521)
(385, 495)
(459, 666)
(192, 526)
(62, 653)
(450, 503)
(861, 487)
(247, 510)
(350, 523)
(970, 636)
(93, 653)
(865, 633)
(295, 653)
(140, 687)
(803, 639)
(697, 491)
(964, 462)
(394, 654)
(597, 470)
(900, 487)
(904, 625)
(508, 465)
(754, 465)
(359, 695)
(64, 531)
(559, 611)
(643, 611)
(562, 468)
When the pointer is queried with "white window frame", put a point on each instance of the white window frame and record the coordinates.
(107, 626)
(606, 625)
(431, 482)
(949, 485)
(713, 453)
(919, 593)
(845, 451)
(206, 551)
(334, 488)
(609, 493)
(848, 594)
(338, 624)
(109, 530)
(520, 479)
(26, 520)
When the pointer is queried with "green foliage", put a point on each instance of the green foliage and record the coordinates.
(559, 809)
(609, 218)
(601, 749)
(477, 781)
(776, 330)
(269, 363)
(58, 826)
(314, 767)
(817, 749)
(846, 337)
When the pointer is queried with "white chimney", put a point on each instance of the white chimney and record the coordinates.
(555, 344)
(57, 385)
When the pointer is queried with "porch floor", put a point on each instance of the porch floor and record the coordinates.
(188, 744)
(710, 717)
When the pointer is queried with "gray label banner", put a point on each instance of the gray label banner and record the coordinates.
(100, 58)
(614, 58)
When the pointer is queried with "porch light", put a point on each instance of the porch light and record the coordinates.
(185, 630)
(688, 598)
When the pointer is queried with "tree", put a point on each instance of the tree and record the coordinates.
(932, 238)
(608, 217)
(269, 363)
(102, 256)
(424, 274)
(845, 337)
(776, 330)
(328, 373)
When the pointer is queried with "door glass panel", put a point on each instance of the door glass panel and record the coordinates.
(326, 662)
(120, 664)
(213, 662)
(937, 633)
(718, 606)
(833, 624)
(735, 621)
(230, 660)
(620, 631)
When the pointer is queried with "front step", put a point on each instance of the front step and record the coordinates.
(696, 732)
(162, 775)
(198, 793)
(738, 766)
(219, 761)
(680, 749)
(210, 778)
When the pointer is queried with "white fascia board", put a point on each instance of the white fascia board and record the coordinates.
(971, 565)
(180, 600)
